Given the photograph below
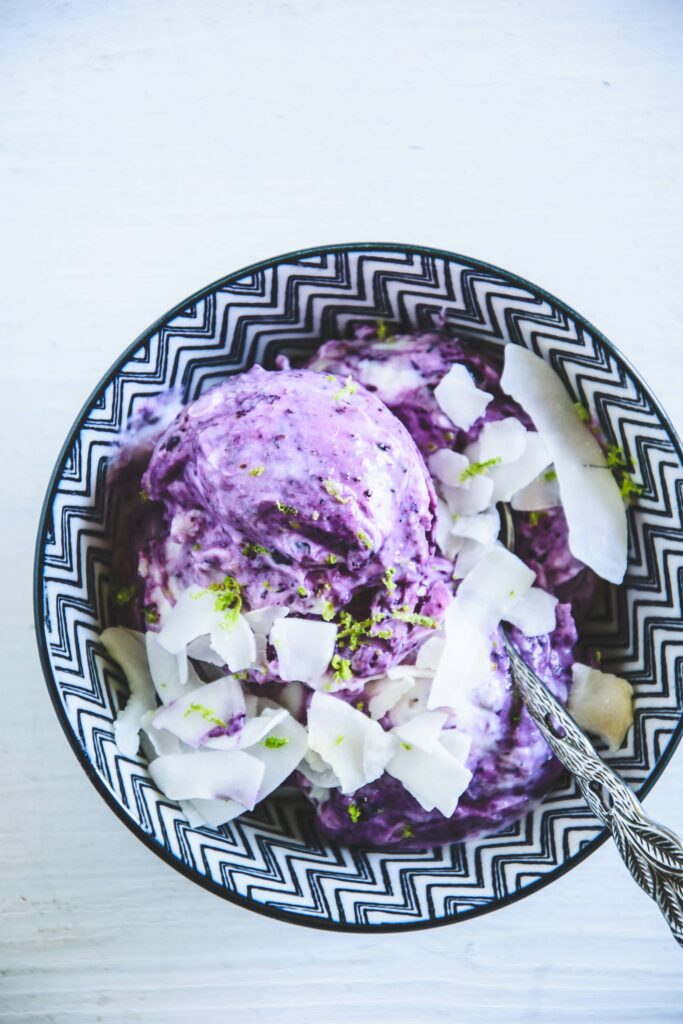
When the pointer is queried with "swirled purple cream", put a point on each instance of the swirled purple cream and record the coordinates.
(319, 562)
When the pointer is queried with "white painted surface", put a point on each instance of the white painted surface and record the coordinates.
(150, 147)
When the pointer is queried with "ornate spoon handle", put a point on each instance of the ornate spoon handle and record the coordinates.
(651, 852)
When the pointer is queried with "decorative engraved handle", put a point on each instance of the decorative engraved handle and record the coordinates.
(652, 853)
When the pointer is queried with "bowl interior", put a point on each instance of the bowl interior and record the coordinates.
(275, 860)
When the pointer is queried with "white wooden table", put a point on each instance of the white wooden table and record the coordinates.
(150, 147)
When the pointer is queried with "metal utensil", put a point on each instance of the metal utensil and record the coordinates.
(652, 853)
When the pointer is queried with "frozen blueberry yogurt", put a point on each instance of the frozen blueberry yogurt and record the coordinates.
(323, 584)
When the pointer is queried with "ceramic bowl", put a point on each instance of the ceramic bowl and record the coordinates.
(275, 860)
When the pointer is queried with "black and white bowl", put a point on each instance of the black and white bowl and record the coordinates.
(275, 861)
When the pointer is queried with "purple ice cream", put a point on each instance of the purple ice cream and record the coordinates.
(305, 488)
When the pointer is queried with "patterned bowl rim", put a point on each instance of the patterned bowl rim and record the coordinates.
(38, 609)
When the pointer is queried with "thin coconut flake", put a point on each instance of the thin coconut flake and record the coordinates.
(387, 693)
(211, 708)
(459, 397)
(595, 512)
(470, 554)
(422, 731)
(448, 466)
(353, 745)
(193, 615)
(510, 477)
(601, 703)
(127, 647)
(278, 761)
(535, 614)
(261, 620)
(158, 741)
(435, 779)
(201, 650)
(483, 527)
(543, 492)
(167, 670)
(457, 743)
(253, 731)
(235, 643)
(429, 653)
(209, 775)
(318, 773)
(475, 494)
(504, 440)
(304, 648)
(498, 582)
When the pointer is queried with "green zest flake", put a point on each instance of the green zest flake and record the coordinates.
(388, 579)
(431, 447)
(342, 669)
(287, 510)
(582, 412)
(330, 377)
(407, 832)
(406, 746)
(414, 619)
(449, 436)
(196, 547)
(477, 468)
(257, 470)
(267, 585)
(550, 475)
(275, 742)
(228, 599)
(382, 330)
(512, 593)
(151, 614)
(364, 539)
(124, 595)
(302, 592)
(206, 713)
(350, 388)
(360, 705)
(144, 496)
(617, 458)
(331, 559)
(328, 611)
(338, 740)
(333, 492)
(629, 488)
(254, 549)
(533, 518)
(353, 811)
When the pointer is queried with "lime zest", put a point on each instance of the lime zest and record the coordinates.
(287, 510)
(331, 559)
(151, 614)
(582, 412)
(477, 468)
(257, 470)
(550, 475)
(302, 592)
(275, 742)
(365, 540)
(414, 619)
(341, 668)
(250, 549)
(354, 812)
(207, 714)
(333, 492)
(350, 388)
(124, 595)
(328, 611)
(407, 832)
(388, 579)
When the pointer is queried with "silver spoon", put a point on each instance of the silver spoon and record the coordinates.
(652, 853)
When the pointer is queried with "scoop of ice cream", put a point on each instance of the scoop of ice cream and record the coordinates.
(301, 485)
(511, 763)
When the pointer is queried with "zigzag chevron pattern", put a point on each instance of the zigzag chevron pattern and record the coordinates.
(274, 859)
